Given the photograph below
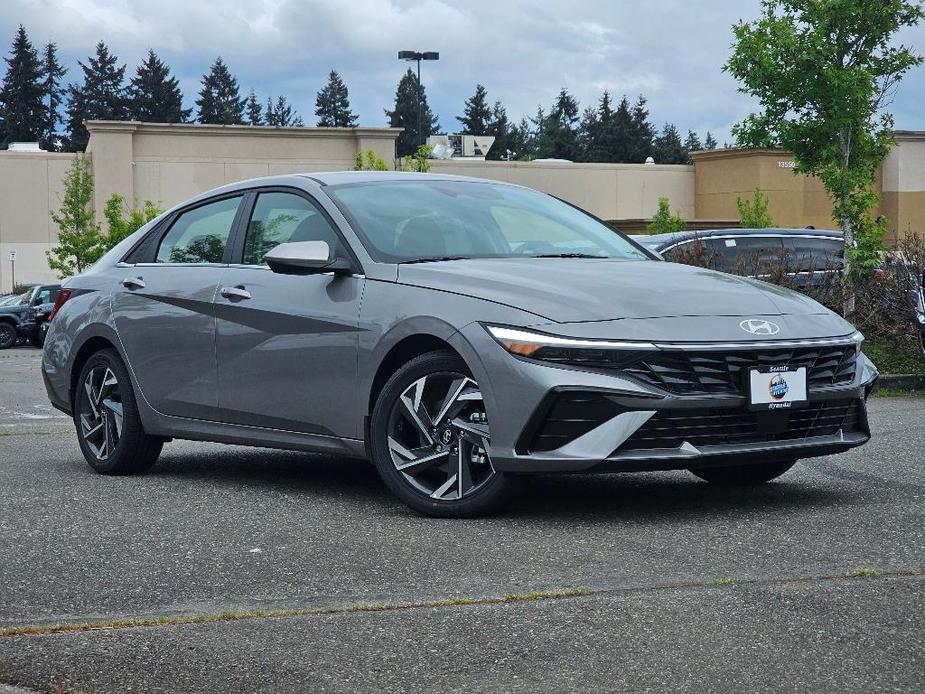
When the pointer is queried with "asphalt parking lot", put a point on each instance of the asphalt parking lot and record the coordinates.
(813, 583)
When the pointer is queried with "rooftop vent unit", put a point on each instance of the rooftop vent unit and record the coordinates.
(24, 147)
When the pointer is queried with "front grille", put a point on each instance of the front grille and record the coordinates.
(703, 373)
(570, 415)
(715, 427)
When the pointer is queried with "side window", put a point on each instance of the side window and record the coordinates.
(694, 252)
(814, 254)
(283, 218)
(746, 255)
(200, 235)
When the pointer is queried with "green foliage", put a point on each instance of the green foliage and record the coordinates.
(254, 110)
(368, 161)
(219, 101)
(895, 359)
(52, 96)
(822, 73)
(281, 114)
(80, 242)
(332, 104)
(122, 221)
(100, 97)
(500, 128)
(557, 136)
(753, 214)
(664, 220)
(154, 95)
(405, 115)
(710, 143)
(22, 114)
(667, 148)
(419, 162)
(476, 113)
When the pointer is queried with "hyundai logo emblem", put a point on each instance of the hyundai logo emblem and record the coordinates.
(756, 326)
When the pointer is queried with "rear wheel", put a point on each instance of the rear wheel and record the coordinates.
(430, 438)
(748, 474)
(8, 336)
(106, 416)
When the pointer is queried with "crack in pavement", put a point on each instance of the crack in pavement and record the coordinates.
(859, 574)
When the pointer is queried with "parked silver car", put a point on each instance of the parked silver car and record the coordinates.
(454, 331)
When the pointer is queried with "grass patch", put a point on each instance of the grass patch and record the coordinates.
(895, 360)
(893, 393)
(233, 616)
(865, 572)
(722, 582)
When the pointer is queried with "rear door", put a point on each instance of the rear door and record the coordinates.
(287, 344)
(164, 307)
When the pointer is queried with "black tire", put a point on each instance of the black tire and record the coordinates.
(133, 451)
(8, 336)
(479, 500)
(744, 475)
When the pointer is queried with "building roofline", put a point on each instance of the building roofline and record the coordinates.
(100, 126)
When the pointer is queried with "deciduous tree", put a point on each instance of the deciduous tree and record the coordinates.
(823, 74)
(80, 242)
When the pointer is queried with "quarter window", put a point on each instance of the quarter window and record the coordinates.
(815, 254)
(199, 235)
(284, 218)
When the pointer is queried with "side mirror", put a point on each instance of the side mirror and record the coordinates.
(305, 258)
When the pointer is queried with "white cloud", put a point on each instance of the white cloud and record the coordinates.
(523, 51)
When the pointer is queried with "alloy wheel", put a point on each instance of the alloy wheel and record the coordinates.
(101, 413)
(438, 436)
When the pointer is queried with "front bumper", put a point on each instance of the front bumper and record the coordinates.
(522, 395)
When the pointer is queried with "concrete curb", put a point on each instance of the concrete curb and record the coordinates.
(914, 382)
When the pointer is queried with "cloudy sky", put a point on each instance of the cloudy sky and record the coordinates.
(523, 51)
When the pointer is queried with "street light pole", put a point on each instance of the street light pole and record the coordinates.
(418, 56)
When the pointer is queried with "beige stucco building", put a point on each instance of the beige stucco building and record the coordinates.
(169, 163)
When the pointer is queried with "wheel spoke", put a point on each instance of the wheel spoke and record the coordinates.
(115, 408)
(477, 434)
(91, 397)
(415, 410)
(452, 395)
(417, 459)
(444, 488)
(463, 473)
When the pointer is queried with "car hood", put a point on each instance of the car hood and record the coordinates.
(576, 290)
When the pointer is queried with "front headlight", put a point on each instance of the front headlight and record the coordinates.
(567, 350)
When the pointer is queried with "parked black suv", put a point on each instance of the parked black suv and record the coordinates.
(18, 321)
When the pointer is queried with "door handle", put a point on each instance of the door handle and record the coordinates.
(133, 283)
(238, 292)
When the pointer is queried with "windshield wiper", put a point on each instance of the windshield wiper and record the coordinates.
(435, 259)
(570, 255)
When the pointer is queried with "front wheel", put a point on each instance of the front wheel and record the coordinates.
(106, 416)
(429, 439)
(747, 474)
(8, 336)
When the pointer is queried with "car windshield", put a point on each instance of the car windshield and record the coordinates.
(421, 220)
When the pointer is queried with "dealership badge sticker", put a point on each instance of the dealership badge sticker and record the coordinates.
(777, 387)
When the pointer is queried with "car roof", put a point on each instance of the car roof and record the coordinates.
(333, 178)
(670, 239)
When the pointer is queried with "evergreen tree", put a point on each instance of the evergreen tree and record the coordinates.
(269, 117)
(693, 143)
(100, 97)
(521, 141)
(710, 142)
(641, 134)
(254, 110)
(558, 138)
(500, 128)
(52, 96)
(154, 95)
(219, 101)
(600, 136)
(622, 145)
(589, 134)
(476, 116)
(405, 114)
(668, 148)
(281, 114)
(22, 114)
(332, 104)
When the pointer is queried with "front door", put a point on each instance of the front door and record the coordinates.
(287, 344)
(164, 311)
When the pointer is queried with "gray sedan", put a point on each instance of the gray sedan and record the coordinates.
(456, 332)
